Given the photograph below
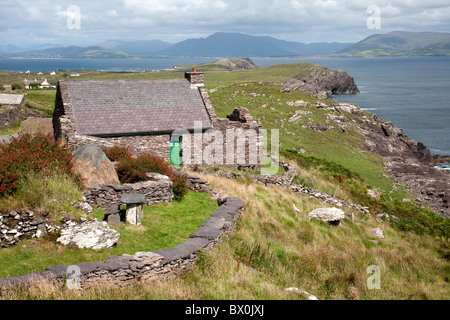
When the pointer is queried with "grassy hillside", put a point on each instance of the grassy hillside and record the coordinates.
(274, 109)
(288, 250)
(284, 247)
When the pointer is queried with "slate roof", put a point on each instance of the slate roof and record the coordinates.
(10, 99)
(119, 107)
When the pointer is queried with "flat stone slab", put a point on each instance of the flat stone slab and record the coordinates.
(193, 245)
(172, 254)
(206, 233)
(133, 199)
(214, 222)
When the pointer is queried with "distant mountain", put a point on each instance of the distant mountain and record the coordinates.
(401, 43)
(139, 47)
(222, 44)
(74, 52)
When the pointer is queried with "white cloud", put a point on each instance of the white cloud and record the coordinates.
(300, 20)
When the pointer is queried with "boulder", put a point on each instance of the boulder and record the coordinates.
(33, 126)
(90, 234)
(94, 166)
(377, 232)
(330, 215)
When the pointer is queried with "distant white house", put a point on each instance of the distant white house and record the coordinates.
(39, 73)
(52, 73)
(44, 84)
(75, 74)
(27, 83)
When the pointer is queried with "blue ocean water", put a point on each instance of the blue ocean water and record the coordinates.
(411, 92)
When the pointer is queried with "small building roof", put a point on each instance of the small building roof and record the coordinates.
(11, 99)
(121, 107)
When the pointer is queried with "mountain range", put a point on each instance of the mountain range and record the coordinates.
(401, 43)
(219, 44)
(231, 45)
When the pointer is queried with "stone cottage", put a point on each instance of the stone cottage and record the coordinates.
(15, 100)
(148, 116)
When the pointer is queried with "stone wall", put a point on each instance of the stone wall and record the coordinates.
(285, 181)
(21, 224)
(155, 192)
(11, 114)
(146, 266)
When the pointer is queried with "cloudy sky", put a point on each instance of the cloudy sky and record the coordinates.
(33, 22)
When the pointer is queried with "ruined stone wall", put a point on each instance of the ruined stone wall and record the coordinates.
(11, 114)
(103, 196)
(144, 266)
(21, 224)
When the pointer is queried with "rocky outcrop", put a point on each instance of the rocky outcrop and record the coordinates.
(237, 64)
(409, 163)
(322, 81)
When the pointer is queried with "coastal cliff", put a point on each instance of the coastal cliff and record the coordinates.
(323, 82)
(408, 162)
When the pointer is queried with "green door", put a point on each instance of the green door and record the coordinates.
(176, 157)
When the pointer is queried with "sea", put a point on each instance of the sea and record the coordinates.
(411, 92)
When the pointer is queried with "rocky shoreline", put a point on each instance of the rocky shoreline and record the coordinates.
(409, 163)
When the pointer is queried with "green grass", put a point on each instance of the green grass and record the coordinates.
(163, 226)
(283, 245)
(271, 110)
(43, 96)
(288, 250)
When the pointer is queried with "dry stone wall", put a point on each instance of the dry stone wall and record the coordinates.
(151, 265)
(18, 224)
(103, 196)
(11, 114)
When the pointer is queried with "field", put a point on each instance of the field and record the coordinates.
(283, 248)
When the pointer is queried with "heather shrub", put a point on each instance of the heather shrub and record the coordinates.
(117, 153)
(27, 154)
(132, 170)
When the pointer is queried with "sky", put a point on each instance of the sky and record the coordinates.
(26, 23)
